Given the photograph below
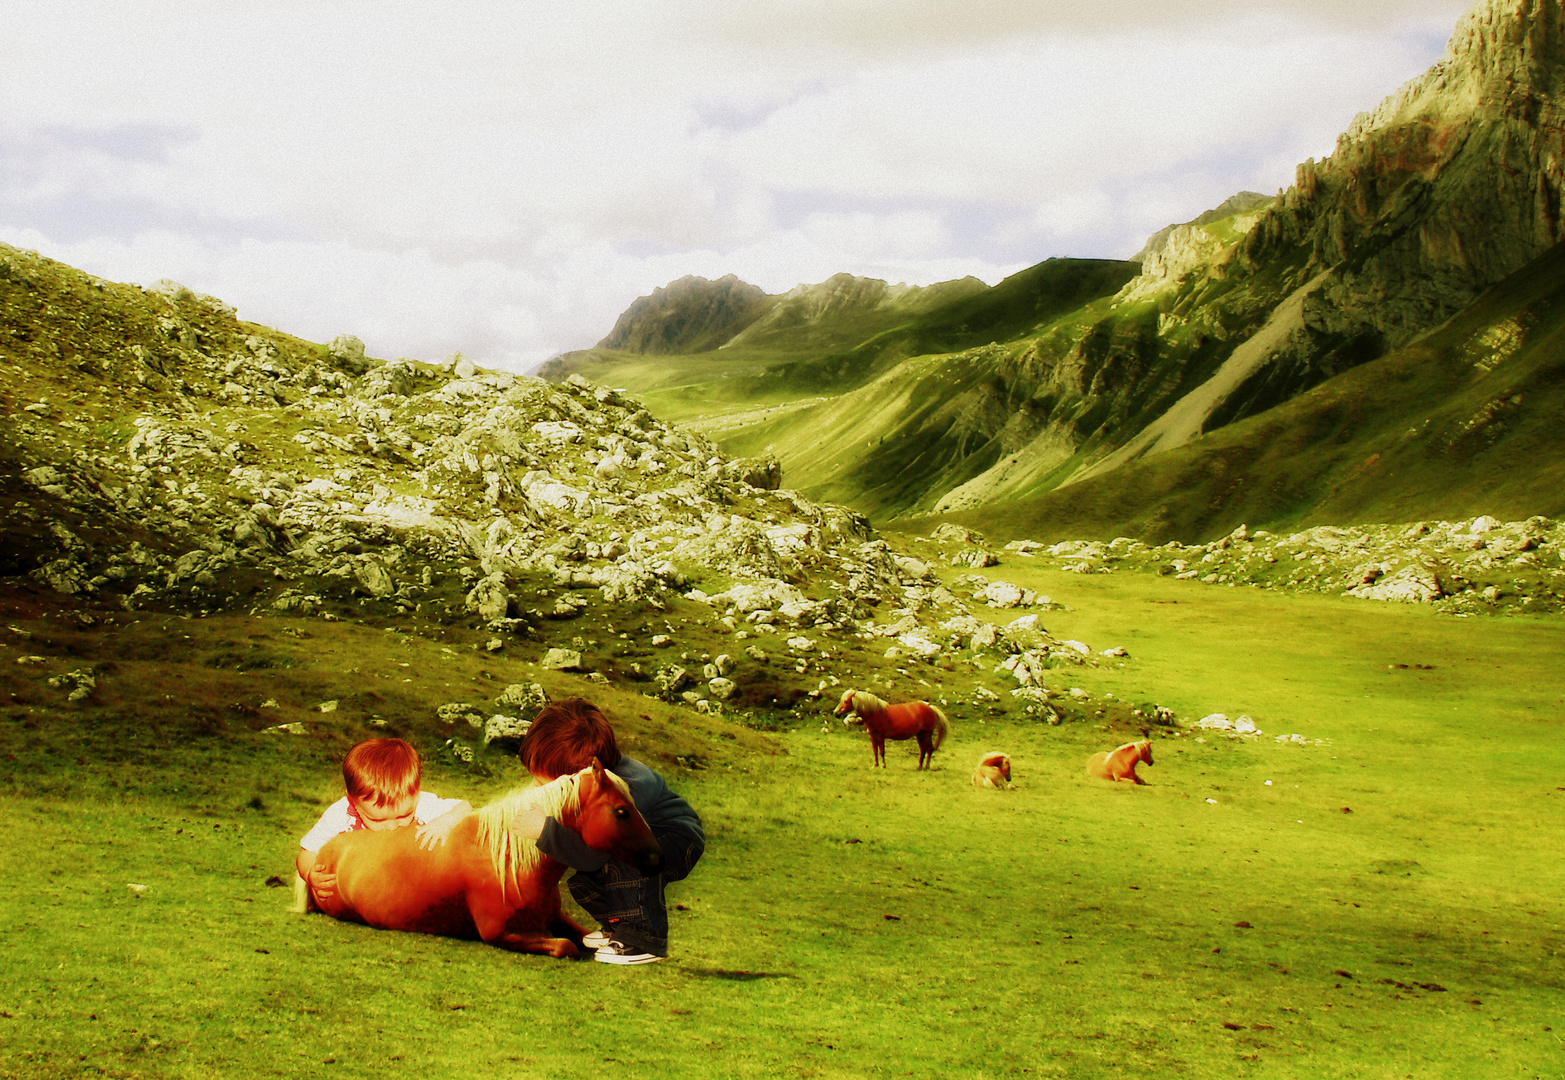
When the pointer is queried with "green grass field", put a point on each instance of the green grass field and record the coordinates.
(1388, 906)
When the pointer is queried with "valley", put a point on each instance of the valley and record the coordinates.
(1283, 495)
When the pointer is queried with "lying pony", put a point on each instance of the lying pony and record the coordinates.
(1120, 763)
(994, 771)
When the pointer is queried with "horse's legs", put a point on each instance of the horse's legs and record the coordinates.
(566, 927)
(926, 750)
(877, 745)
(537, 941)
(491, 913)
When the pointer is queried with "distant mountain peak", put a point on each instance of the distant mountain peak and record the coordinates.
(692, 314)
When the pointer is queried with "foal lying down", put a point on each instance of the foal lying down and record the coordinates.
(1120, 763)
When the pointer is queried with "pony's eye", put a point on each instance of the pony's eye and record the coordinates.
(620, 811)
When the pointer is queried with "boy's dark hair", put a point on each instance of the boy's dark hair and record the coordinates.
(565, 736)
(382, 771)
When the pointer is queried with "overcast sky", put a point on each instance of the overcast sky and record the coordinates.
(505, 178)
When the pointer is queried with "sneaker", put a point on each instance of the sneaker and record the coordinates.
(597, 939)
(617, 952)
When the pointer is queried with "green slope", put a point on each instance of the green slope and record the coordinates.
(1463, 422)
(796, 357)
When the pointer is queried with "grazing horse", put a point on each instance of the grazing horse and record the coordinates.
(994, 771)
(486, 881)
(908, 720)
(1120, 763)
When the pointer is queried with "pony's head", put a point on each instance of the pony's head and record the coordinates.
(594, 802)
(999, 761)
(845, 705)
(608, 820)
(1144, 750)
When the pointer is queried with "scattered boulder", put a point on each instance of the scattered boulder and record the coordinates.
(562, 660)
(1002, 594)
(526, 698)
(460, 710)
(505, 733)
(374, 578)
(490, 598)
(348, 352)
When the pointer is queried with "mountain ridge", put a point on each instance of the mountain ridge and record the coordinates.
(1447, 187)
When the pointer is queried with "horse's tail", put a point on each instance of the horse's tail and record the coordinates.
(301, 896)
(942, 726)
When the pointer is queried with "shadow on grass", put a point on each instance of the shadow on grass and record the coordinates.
(736, 976)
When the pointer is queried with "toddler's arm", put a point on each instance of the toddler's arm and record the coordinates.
(436, 831)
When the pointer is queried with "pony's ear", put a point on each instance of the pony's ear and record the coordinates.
(597, 768)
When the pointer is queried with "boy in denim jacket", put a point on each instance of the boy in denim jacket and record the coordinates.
(564, 738)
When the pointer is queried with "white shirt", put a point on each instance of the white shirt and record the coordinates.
(340, 818)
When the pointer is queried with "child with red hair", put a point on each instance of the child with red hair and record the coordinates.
(382, 779)
(564, 738)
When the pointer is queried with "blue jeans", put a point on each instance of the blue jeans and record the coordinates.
(630, 904)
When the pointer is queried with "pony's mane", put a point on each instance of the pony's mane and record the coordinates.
(866, 700)
(515, 856)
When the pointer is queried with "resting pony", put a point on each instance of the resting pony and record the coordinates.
(1120, 763)
(486, 881)
(912, 719)
(994, 771)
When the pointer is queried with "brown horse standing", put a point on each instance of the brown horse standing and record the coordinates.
(909, 720)
(486, 881)
(1120, 763)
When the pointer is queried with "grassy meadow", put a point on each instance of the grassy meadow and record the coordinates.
(1389, 905)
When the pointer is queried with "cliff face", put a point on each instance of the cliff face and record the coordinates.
(689, 315)
(1447, 187)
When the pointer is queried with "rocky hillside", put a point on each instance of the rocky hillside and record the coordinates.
(1464, 568)
(1443, 192)
(159, 455)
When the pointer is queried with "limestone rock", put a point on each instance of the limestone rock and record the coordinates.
(373, 576)
(526, 698)
(348, 352)
(505, 733)
(562, 660)
(1410, 585)
(490, 598)
(453, 711)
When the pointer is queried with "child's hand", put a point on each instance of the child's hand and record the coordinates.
(529, 823)
(323, 883)
(434, 834)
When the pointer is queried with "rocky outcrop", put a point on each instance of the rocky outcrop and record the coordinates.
(1481, 565)
(1245, 202)
(1448, 186)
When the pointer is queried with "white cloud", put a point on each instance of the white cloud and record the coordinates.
(505, 178)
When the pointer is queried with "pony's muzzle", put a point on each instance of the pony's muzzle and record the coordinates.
(650, 862)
